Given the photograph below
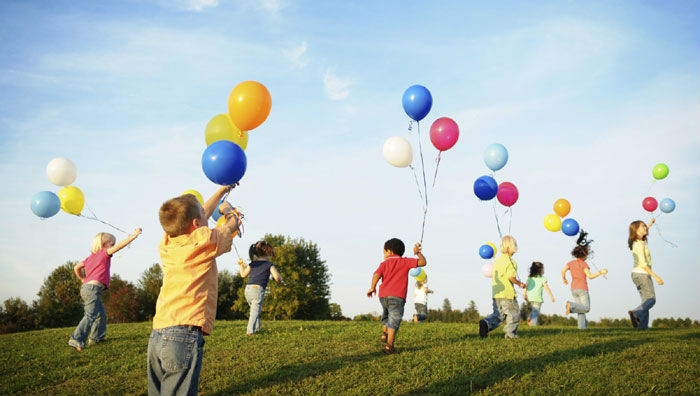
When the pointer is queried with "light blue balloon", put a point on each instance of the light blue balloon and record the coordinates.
(495, 156)
(45, 204)
(667, 205)
(415, 271)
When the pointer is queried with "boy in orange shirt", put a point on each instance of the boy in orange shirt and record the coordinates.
(186, 305)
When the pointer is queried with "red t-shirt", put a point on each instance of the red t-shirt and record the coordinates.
(97, 267)
(578, 276)
(394, 274)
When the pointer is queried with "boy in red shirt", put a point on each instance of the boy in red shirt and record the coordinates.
(393, 272)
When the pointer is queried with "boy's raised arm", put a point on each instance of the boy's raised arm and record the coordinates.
(417, 250)
(214, 200)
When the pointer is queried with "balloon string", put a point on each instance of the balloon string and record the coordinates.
(236, 250)
(415, 176)
(650, 186)
(500, 234)
(510, 222)
(94, 217)
(437, 165)
(422, 164)
(596, 267)
(658, 230)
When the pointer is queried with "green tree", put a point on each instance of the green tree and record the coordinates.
(120, 301)
(446, 306)
(335, 311)
(471, 313)
(16, 315)
(59, 302)
(228, 287)
(147, 291)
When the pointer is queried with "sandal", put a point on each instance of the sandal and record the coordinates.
(389, 349)
(384, 336)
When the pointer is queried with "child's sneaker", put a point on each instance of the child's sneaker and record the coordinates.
(635, 321)
(75, 345)
(483, 329)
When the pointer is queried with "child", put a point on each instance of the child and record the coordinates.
(186, 305)
(535, 282)
(259, 270)
(642, 273)
(420, 299)
(93, 326)
(393, 272)
(579, 285)
(505, 306)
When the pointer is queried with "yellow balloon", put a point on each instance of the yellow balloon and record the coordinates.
(552, 222)
(222, 221)
(494, 248)
(422, 276)
(72, 199)
(222, 128)
(196, 195)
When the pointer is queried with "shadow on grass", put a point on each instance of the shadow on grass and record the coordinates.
(464, 385)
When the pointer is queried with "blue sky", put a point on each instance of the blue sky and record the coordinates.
(587, 97)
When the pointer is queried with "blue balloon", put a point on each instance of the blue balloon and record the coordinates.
(667, 205)
(495, 156)
(45, 204)
(485, 188)
(417, 102)
(415, 271)
(486, 251)
(224, 162)
(569, 227)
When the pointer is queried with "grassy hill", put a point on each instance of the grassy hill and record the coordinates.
(345, 358)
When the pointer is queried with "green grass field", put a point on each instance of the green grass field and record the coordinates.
(345, 358)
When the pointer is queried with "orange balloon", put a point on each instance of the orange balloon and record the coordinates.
(562, 207)
(249, 105)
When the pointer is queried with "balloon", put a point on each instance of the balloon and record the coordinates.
(495, 156)
(569, 227)
(417, 102)
(485, 188)
(552, 222)
(222, 221)
(249, 105)
(487, 270)
(486, 251)
(415, 271)
(494, 248)
(221, 128)
(45, 204)
(444, 133)
(72, 199)
(422, 276)
(562, 207)
(398, 152)
(216, 215)
(224, 162)
(196, 195)
(507, 194)
(61, 171)
(667, 205)
(660, 171)
(649, 204)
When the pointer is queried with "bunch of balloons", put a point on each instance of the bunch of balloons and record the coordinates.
(418, 274)
(667, 205)
(61, 172)
(487, 251)
(554, 223)
(486, 187)
(224, 161)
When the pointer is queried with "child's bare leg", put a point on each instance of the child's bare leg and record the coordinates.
(390, 338)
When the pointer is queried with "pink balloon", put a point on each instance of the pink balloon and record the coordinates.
(507, 194)
(650, 204)
(487, 269)
(444, 133)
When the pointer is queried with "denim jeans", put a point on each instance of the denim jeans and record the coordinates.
(535, 312)
(581, 306)
(505, 310)
(421, 311)
(392, 311)
(94, 322)
(646, 291)
(254, 294)
(175, 360)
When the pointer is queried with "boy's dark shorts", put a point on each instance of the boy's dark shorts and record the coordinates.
(392, 311)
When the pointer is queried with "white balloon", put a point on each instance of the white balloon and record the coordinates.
(61, 171)
(398, 152)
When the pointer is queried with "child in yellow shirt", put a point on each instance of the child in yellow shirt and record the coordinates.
(186, 305)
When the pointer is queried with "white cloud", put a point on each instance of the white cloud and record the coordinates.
(336, 88)
(273, 6)
(296, 55)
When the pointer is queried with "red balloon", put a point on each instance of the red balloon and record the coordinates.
(507, 194)
(650, 204)
(444, 133)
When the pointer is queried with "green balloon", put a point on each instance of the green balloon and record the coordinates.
(660, 171)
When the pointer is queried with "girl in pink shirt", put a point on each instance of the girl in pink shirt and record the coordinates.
(579, 285)
(94, 273)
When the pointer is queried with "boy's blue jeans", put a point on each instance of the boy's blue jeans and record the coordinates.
(421, 311)
(581, 306)
(94, 322)
(392, 311)
(254, 294)
(175, 360)
(505, 310)
(646, 291)
(535, 312)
